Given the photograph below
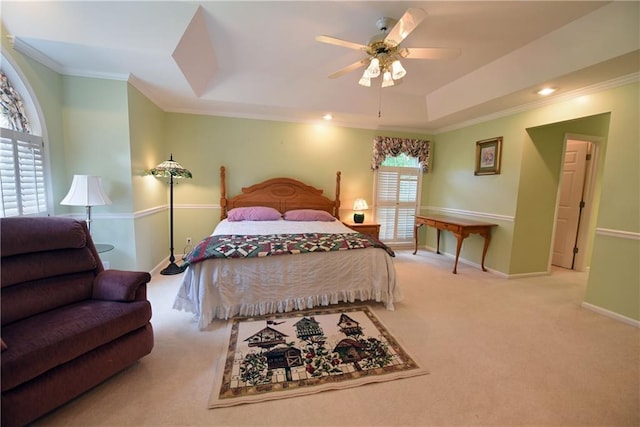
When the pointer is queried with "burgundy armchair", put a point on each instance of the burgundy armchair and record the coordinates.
(67, 324)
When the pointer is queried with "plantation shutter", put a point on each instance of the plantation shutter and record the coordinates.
(397, 190)
(22, 174)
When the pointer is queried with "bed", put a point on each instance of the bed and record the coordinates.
(314, 266)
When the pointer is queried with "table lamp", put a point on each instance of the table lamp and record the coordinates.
(87, 191)
(359, 206)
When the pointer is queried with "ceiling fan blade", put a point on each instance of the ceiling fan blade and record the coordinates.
(429, 53)
(340, 42)
(409, 21)
(349, 68)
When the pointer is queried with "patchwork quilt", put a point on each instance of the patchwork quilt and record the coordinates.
(242, 246)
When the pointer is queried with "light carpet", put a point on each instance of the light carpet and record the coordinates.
(295, 354)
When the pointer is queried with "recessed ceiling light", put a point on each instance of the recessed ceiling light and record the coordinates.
(327, 116)
(546, 91)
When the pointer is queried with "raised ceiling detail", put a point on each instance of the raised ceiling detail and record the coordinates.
(260, 59)
(195, 54)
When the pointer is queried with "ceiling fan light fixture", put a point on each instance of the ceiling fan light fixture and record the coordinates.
(373, 70)
(384, 50)
(398, 70)
(387, 80)
(365, 80)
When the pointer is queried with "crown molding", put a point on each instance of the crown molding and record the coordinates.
(20, 46)
(24, 48)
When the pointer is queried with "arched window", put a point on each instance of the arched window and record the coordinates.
(23, 178)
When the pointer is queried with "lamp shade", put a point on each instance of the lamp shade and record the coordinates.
(86, 190)
(360, 205)
(170, 168)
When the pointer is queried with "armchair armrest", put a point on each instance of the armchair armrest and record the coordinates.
(118, 285)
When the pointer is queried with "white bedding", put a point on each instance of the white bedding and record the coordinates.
(223, 288)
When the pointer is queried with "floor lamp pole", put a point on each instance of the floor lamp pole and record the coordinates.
(172, 268)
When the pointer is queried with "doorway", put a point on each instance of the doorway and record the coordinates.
(574, 207)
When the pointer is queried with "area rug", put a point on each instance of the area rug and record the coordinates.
(293, 354)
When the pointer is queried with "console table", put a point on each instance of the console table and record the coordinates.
(461, 228)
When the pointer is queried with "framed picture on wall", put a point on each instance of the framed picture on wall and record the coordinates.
(488, 154)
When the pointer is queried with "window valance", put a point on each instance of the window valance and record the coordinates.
(384, 146)
(12, 111)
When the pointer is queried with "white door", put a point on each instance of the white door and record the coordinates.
(570, 198)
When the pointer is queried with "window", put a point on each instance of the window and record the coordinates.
(398, 182)
(23, 186)
(22, 178)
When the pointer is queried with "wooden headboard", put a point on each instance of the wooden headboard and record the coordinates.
(283, 194)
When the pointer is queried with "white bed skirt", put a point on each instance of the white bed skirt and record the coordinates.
(224, 288)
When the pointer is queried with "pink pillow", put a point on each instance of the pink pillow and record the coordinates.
(254, 213)
(308, 215)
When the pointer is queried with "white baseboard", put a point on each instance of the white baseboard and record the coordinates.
(611, 314)
(465, 261)
(162, 264)
(525, 275)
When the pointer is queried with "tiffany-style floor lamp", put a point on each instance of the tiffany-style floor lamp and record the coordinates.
(172, 170)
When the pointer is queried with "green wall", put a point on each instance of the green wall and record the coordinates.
(96, 142)
(452, 188)
(526, 190)
(614, 278)
(539, 181)
(255, 150)
(148, 149)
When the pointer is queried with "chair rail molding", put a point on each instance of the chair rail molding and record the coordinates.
(141, 213)
(618, 233)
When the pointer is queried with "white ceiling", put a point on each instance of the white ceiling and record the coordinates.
(260, 59)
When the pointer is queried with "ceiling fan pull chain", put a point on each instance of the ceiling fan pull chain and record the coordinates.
(380, 102)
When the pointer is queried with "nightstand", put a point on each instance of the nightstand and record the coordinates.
(369, 228)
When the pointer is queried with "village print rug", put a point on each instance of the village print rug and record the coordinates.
(299, 353)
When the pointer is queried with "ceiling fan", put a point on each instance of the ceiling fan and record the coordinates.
(384, 50)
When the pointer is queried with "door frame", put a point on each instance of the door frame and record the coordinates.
(586, 230)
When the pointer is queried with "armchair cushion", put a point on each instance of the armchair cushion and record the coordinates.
(36, 235)
(38, 265)
(59, 336)
(118, 285)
